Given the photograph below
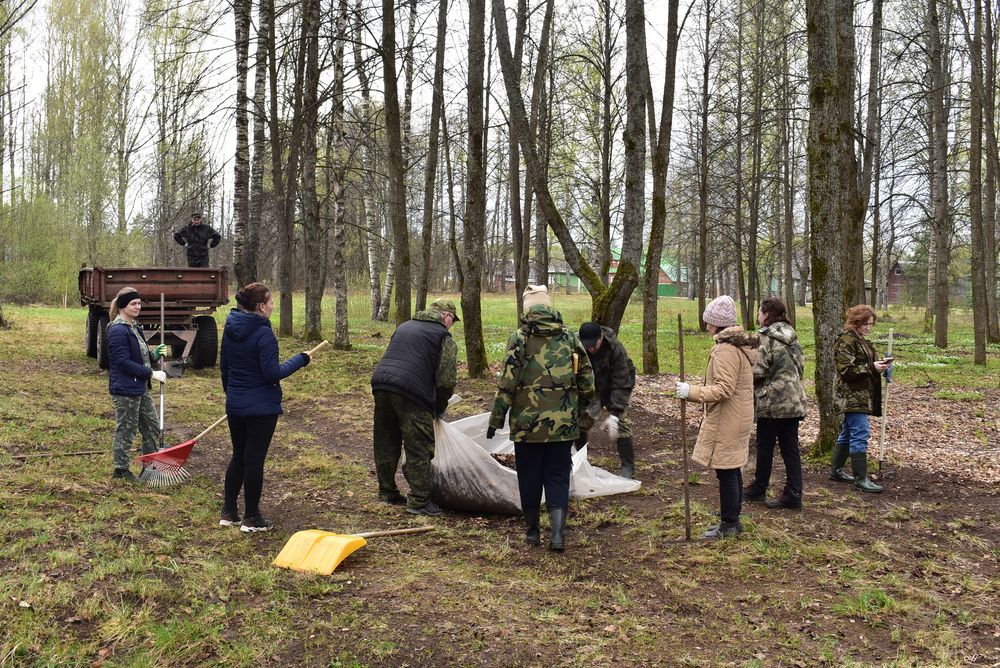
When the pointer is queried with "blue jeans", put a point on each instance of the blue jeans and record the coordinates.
(855, 432)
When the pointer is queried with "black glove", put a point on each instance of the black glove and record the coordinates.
(307, 358)
(490, 432)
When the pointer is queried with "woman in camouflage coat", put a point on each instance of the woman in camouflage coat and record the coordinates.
(546, 381)
(780, 404)
(859, 394)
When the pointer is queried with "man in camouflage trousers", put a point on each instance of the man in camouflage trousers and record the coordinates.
(614, 377)
(411, 385)
(546, 380)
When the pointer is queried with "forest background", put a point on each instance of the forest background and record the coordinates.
(789, 148)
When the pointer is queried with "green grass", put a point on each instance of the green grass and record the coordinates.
(140, 577)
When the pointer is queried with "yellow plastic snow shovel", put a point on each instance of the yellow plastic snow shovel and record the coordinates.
(320, 552)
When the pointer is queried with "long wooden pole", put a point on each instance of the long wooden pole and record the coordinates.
(684, 444)
(885, 407)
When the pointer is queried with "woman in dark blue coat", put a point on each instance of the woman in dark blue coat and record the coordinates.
(130, 370)
(251, 378)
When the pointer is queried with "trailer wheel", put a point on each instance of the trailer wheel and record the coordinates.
(90, 334)
(205, 351)
(102, 341)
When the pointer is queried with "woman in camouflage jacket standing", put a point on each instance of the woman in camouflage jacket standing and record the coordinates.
(859, 394)
(780, 403)
(546, 381)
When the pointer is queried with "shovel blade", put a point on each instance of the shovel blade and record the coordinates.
(316, 551)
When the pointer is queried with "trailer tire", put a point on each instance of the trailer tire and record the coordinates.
(205, 351)
(102, 340)
(90, 333)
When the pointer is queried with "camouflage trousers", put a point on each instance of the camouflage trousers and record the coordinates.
(133, 414)
(402, 425)
(624, 426)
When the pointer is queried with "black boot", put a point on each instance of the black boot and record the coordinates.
(557, 535)
(627, 454)
(859, 462)
(787, 500)
(581, 440)
(124, 474)
(532, 536)
(837, 461)
(753, 493)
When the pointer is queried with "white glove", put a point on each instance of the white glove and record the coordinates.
(612, 426)
(683, 390)
(160, 376)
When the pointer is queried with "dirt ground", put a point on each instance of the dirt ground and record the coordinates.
(766, 598)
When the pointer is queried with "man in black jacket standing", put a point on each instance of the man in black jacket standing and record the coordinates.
(411, 385)
(614, 378)
(198, 238)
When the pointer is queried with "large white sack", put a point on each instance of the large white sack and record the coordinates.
(466, 476)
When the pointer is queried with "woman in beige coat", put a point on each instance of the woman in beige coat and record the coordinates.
(724, 437)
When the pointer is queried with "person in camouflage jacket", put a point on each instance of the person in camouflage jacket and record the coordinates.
(545, 381)
(859, 394)
(780, 403)
(614, 378)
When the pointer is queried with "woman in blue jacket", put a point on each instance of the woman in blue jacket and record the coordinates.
(251, 378)
(130, 369)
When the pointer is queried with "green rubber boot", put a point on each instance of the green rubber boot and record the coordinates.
(859, 462)
(837, 461)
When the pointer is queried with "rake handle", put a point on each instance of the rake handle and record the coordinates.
(394, 532)
(315, 350)
(210, 428)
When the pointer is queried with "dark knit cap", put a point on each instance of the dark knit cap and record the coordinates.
(590, 332)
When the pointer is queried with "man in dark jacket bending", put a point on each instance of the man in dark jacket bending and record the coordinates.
(412, 384)
(197, 237)
(614, 378)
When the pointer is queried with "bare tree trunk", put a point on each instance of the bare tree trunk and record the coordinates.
(452, 240)
(241, 164)
(756, 170)
(251, 242)
(873, 129)
(980, 310)
(397, 176)
(703, 170)
(537, 122)
(990, 183)
(743, 297)
(831, 160)
(430, 171)
(313, 231)
(520, 236)
(338, 151)
(607, 93)
(475, 211)
(788, 185)
(287, 236)
(939, 151)
(660, 148)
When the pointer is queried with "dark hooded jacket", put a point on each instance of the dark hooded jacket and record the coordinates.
(197, 239)
(614, 373)
(251, 373)
(130, 366)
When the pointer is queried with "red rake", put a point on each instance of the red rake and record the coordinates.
(165, 468)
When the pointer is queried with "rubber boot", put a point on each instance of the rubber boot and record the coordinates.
(859, 462)
(581, 440)
(627, 454)
(557, 535)
(532, 536)
(837, 461)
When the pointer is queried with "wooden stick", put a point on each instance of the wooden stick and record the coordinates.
(210, 428)
(885, 405)
(394, 532)
(315, 350)
(50, 455)
(684, 445)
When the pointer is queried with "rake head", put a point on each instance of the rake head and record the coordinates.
(163, 476)
(165, 468)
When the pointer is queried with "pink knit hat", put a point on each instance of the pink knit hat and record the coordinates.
(720, 312)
